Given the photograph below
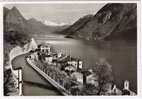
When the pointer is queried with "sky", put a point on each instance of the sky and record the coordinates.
(57, 13)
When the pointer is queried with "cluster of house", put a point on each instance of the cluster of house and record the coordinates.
(73, 67)
(113, 90)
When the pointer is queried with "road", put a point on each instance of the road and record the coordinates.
(33, 83)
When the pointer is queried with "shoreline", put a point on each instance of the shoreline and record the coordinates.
(34, 57)
(15, 55)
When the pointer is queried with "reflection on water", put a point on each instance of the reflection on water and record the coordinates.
(121, 55)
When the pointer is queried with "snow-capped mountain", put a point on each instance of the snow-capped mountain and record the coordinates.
(51, 23)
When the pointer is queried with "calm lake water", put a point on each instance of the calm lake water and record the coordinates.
(120, 54)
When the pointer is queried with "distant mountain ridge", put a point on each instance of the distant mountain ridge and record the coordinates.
(113, 21)
(14, 21)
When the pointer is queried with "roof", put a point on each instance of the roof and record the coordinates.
(93, 76)
(77, 74)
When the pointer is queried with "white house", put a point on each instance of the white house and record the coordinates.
(92, 79)
(78, 76)
(73, 62)
(59, 55)
(45, 48)
(76, 63)
(80, 64)
(49, 59)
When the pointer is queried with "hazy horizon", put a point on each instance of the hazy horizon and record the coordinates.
(56, 13)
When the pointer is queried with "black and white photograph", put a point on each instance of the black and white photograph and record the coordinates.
(70, 49)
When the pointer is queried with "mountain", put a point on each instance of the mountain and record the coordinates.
(14, 21)
(113, 21)
(38, 27)
(77, 25)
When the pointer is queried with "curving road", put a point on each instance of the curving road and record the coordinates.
(33, 83)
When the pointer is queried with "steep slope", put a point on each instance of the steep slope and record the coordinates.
(15, 26)
(113, 21)
(14, 21)
(77, 25)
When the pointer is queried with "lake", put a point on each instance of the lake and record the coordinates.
(121, 55)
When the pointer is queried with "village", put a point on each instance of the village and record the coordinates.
(69, 73)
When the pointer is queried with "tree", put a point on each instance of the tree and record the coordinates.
(104, 71)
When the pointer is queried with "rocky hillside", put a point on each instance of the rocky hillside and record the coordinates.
(14, 21)
(113, 21)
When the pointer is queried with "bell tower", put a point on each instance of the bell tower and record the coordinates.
(126, 85)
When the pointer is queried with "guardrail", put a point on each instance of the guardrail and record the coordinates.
(48, 78)
(19, 80)
(17, 51)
